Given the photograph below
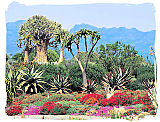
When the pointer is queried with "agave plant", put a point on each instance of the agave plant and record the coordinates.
(116, 80)
(12, 79)
(90, 88)
(32, 80)
(60, 85)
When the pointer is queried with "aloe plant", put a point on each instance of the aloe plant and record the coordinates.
(151, 86)
(12, 79)
(90, 88)
(116, 80)
(60, 85)
(32, 80)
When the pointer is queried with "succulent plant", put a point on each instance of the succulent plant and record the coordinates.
(116, 80)
(60, 85)
(32, 80)
(90, 88)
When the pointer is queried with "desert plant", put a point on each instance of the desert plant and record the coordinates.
(32, 80)
(60, 85)
(90, 88)
(116, 80)
(12, 79)
(151, 86)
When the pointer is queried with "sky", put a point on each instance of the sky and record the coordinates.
(139, 16)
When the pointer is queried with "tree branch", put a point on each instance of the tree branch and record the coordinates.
(79, 62)
(87, 59)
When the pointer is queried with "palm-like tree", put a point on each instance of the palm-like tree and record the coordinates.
(94, 37)
(26, 43)
(32, 80)
(61, 36)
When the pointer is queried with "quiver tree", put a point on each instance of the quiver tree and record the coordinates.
(61, 36)
(26, 43)
(42, 30)
(74, 40)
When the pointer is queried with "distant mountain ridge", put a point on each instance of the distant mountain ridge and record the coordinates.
(141, 40)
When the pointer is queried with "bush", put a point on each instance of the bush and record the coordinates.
(91, 100)
(125, 98)
(58, 97)
(33, 98)
(78, 96)
(143, 73)
(52, 108)
(95, 72)
(14, 110)
(52, 70)
(118, 99)
(68, 103)
(86, 97)
(71, 110)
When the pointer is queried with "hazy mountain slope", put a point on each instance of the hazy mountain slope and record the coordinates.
(134, 37)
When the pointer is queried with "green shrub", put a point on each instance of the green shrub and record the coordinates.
(143, 73)
(39, 103)
(71, 110)
(34, 98)
(58, 97)
(52, 70)
(138, 106)
(51, 108)
(95, 72)
(68, 103)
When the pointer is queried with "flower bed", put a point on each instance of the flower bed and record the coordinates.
(121, 105)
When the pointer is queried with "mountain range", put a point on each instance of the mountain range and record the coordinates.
(140, 40)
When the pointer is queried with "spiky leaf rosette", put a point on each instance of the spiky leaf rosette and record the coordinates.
(60, 85)
(32, 80)
(117, 79)
(90, 88)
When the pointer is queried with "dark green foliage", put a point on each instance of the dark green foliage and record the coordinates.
(52, 70)
(94, 57)
(144, 73)
(95, 72)
(52, 56)
(119, 55)
(19, 57)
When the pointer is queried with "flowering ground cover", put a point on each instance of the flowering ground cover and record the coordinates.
(122, 104)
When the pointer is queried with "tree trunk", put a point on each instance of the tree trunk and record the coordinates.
(61, 54)
(26, 53)
(84, 79)
(41, 52)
